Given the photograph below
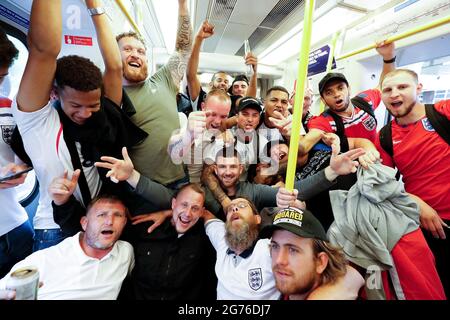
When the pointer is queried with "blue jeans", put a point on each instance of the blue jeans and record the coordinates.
(15, 246)
(45, 238)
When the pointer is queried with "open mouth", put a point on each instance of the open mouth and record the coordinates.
(234, 217)
(134, 64)
(227, 179)
(107, 232)
(396, 104)
(183, 220)
(339, 101)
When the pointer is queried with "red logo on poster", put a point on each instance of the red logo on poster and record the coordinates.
(78, 40)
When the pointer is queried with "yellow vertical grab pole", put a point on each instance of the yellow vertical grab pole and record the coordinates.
(299, 93)
(330, 62)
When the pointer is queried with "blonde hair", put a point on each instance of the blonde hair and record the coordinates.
(131, 34)
(219, 93)
(397, 71)
(337, 263)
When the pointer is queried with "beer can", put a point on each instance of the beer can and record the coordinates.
(25, 282)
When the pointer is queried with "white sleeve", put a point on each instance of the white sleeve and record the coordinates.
(183, 121)
(38, 121)
(215, 230)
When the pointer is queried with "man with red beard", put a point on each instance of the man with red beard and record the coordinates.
(422, 156)
(155, 100)
(243, 265)
(305, 265)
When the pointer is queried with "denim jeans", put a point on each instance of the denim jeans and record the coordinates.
(15, 246)
(45, 238)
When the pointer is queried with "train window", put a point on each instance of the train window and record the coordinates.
(10, 86)
(434, 74)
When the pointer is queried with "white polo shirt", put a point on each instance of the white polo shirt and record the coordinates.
(245, 277)
(69, 274)
(42, 135)
(12, 214)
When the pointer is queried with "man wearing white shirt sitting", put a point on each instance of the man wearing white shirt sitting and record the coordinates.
(92, 264)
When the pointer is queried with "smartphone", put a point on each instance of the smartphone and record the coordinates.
(14, 175)
(247, 50)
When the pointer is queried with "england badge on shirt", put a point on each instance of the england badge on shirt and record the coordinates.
(427, 124)
(7, 132)
(255, 279)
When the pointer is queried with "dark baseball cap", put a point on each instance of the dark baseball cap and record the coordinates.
(329, 77)
(299, 222)
(249, 102)
(241, 77)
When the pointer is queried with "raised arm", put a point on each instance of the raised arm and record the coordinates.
(206, 30)
(387, 51)
(112, 78)
(307, 142)
(178, 60)
(252, 60)
(44, 45)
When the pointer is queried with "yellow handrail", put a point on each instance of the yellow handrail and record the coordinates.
(299, 94)
(406, 34)
(128, 16)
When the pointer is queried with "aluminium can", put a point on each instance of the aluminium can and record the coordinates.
(25, 282)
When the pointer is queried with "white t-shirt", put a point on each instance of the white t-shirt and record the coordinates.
(270, 134)
(44, 143)
(68, 273)
(239, 278)
(12, 214)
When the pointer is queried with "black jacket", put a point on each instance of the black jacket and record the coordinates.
(168, 267)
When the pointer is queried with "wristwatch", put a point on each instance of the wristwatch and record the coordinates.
(96, 11)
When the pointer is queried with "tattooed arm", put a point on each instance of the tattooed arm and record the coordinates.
(178, 60)
(209, 179)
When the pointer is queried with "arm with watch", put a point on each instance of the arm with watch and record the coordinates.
(112, 77)
(387, 51)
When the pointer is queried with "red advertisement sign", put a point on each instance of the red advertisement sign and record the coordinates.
(78, 40)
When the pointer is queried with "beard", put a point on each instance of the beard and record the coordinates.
(404, 113)
(242, 237)
(294, 286)
(93, 242)
(131, 76)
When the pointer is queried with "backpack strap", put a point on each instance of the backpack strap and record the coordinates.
(18, 148)
(386, 139)
(439, 122)
(363, 105)
(386, 143)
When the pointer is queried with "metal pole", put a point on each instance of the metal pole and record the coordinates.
(299, 93)
(406, 34)
(128, 16)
